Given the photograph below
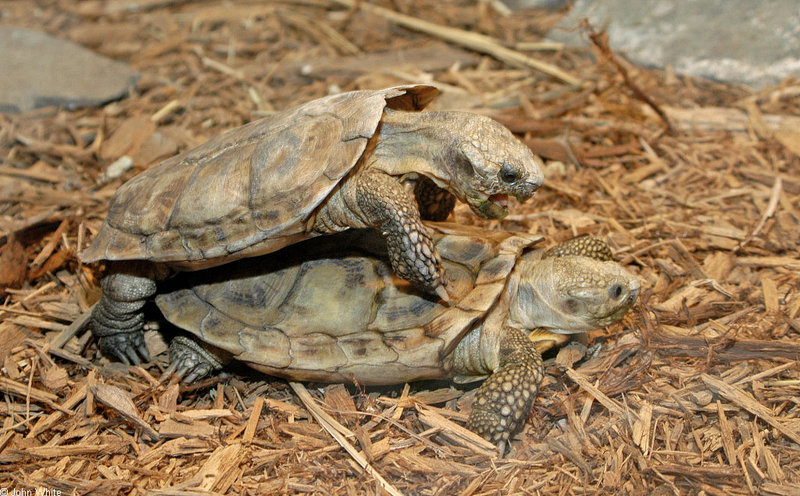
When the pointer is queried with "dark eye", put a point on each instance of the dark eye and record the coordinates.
(508, 175)
(615, 291)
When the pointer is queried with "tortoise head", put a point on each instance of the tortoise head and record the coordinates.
(490, 164)
(572, 293)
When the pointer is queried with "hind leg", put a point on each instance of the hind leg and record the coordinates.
(191, 360)
(117, 319)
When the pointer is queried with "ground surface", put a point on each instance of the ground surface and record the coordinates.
(696, 393)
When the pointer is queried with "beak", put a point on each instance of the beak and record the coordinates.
(526, 190)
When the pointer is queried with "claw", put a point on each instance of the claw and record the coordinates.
(195, 373)
(122, 357)
(190, 362)
(130, 351)
(502, 447)
(127, 347)
(182, 368)
(442, 293)
(168, 373)
(141, 348)
(180, 374)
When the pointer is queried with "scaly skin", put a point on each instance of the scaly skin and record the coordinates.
(452, 154)
(117, 319)
(411, 250)
(374, 199)
(586, 246)
(434, 203)
(560, 289)
(190, 360)
(504, 400)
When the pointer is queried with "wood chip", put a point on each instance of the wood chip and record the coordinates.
(252, 422)
(746, 401)
(119, 401)
(706, 216)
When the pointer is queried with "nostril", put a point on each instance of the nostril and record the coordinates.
(526, 190)
(615, 291)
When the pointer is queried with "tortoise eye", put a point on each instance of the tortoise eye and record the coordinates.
(508, 175)
(615, 291)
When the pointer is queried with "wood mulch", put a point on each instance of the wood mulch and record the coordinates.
(695, 184)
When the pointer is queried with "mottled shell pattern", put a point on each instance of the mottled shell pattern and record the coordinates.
(250, 191)
(344, 317)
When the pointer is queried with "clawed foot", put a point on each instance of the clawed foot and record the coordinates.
(382, 202)
(128, 347)
(189, 361)
(414, 258)
(504, 401)
(118, 320)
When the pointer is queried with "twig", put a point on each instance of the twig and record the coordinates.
(325, 421)
(600, 40)
(772, 206)
(740, 397)
(473, 41)
(30, 174)
(604, 400)
(540, 45)
(61, 338)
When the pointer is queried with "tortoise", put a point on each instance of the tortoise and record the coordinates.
(340, 315)
(335, 163)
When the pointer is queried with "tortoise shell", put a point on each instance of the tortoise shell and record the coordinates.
(249, 191)
(303, 315)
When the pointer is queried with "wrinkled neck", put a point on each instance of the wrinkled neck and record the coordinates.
(414, 142)
(478, 352)
(525, 303)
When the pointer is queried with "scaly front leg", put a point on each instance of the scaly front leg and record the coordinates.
(375, 199)
(413, 256)
(504, 400)
(587, 246)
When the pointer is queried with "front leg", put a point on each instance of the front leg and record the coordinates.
(587, 246)
(504, 400)
(375, 199)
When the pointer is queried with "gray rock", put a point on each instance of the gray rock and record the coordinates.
(756, 43)
(38, 70)
(534, 4)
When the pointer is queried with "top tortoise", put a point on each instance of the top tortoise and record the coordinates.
(339, 162)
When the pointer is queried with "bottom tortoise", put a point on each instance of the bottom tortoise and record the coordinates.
(327, 310)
